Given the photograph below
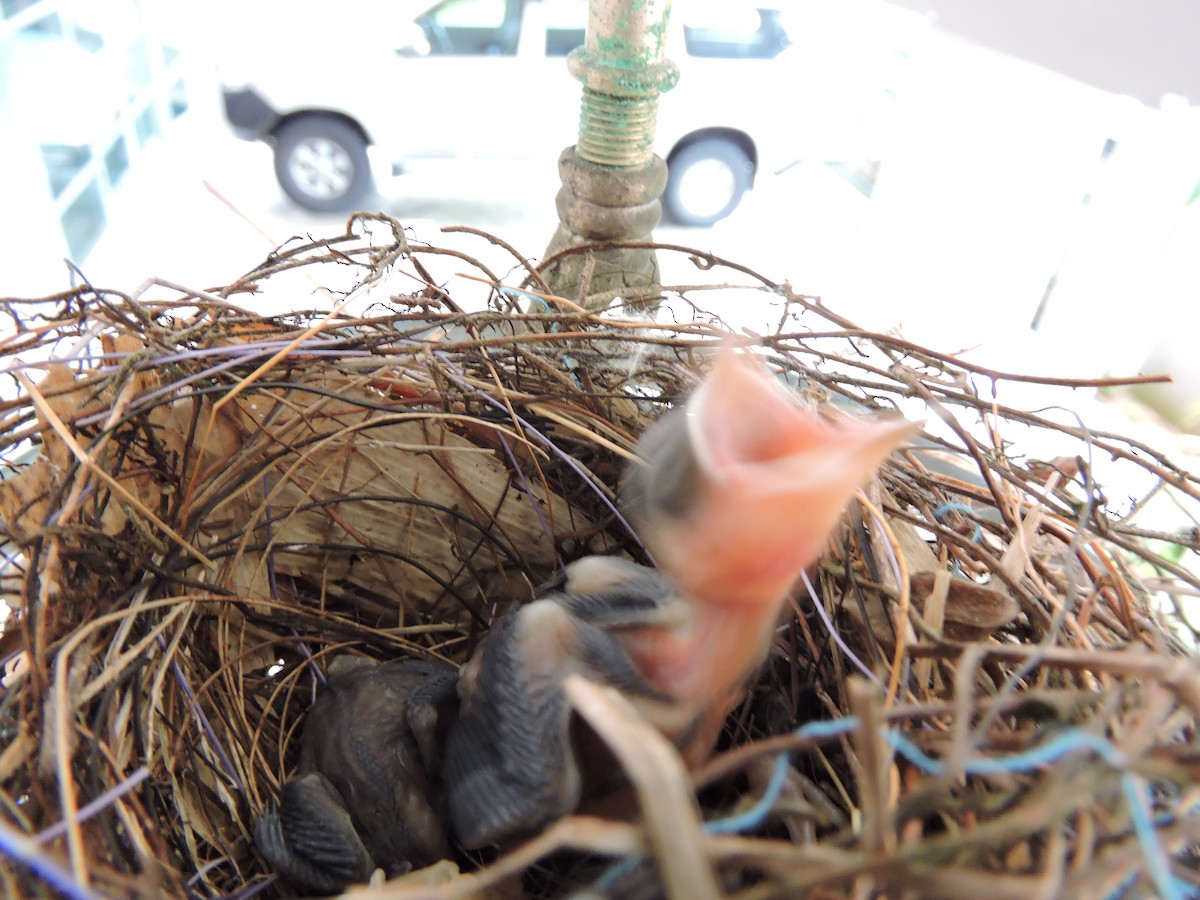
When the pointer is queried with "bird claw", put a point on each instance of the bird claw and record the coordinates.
(310, 839)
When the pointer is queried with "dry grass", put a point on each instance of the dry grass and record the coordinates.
(223, 500)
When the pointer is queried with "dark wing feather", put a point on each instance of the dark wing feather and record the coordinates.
(309, 838)
(509, 768)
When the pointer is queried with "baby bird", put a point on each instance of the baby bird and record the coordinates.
(735, 495)
(512, 758)
(366, 793)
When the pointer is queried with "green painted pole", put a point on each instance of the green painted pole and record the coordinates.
(611, 179)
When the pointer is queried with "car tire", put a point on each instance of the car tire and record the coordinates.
(706, 181)
(321, 163)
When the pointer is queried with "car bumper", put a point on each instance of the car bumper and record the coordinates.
(249, 115)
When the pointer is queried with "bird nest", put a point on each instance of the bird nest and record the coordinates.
(982, 688)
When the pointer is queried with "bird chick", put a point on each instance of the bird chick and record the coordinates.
(736, 493)
(366, 793)
(513, 763)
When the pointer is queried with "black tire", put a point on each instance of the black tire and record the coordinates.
(726, 161)
(321, 163)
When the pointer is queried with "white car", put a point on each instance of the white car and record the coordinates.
(373, 86)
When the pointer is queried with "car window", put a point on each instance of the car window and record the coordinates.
(737, 36)
(718, 30)
(473, 27)
(566, 21)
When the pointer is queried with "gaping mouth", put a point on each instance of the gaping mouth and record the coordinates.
(748, 433)
(770, 481)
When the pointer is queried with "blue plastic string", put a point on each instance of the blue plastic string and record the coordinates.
(541, 302)
(1159, 865)
(754, 816)
(1046, 752)
(1076, 740)
(945, 508)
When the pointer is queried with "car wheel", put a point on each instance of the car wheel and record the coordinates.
(321, 163)
(706, 181)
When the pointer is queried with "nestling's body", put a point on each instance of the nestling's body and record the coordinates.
(366, 793)
(512, 764)
(736, 494)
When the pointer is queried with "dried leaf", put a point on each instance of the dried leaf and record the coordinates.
(973, 611)
(25, 499)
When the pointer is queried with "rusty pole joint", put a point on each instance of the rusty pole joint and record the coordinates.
(623, 67)
(611, 179)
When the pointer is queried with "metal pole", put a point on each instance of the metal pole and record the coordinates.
(611, 179)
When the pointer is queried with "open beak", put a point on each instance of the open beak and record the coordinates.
(765, 484)
(736, 495)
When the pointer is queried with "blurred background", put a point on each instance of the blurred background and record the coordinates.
(1015, 179)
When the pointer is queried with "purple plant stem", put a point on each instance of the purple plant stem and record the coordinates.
(274, 583)
(206, 726)
(28, 852)
(833, 632)
(456, 375)
(100, 803)
(528, 491)
(254, 890)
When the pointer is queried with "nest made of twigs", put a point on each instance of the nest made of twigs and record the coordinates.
(204, 504)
